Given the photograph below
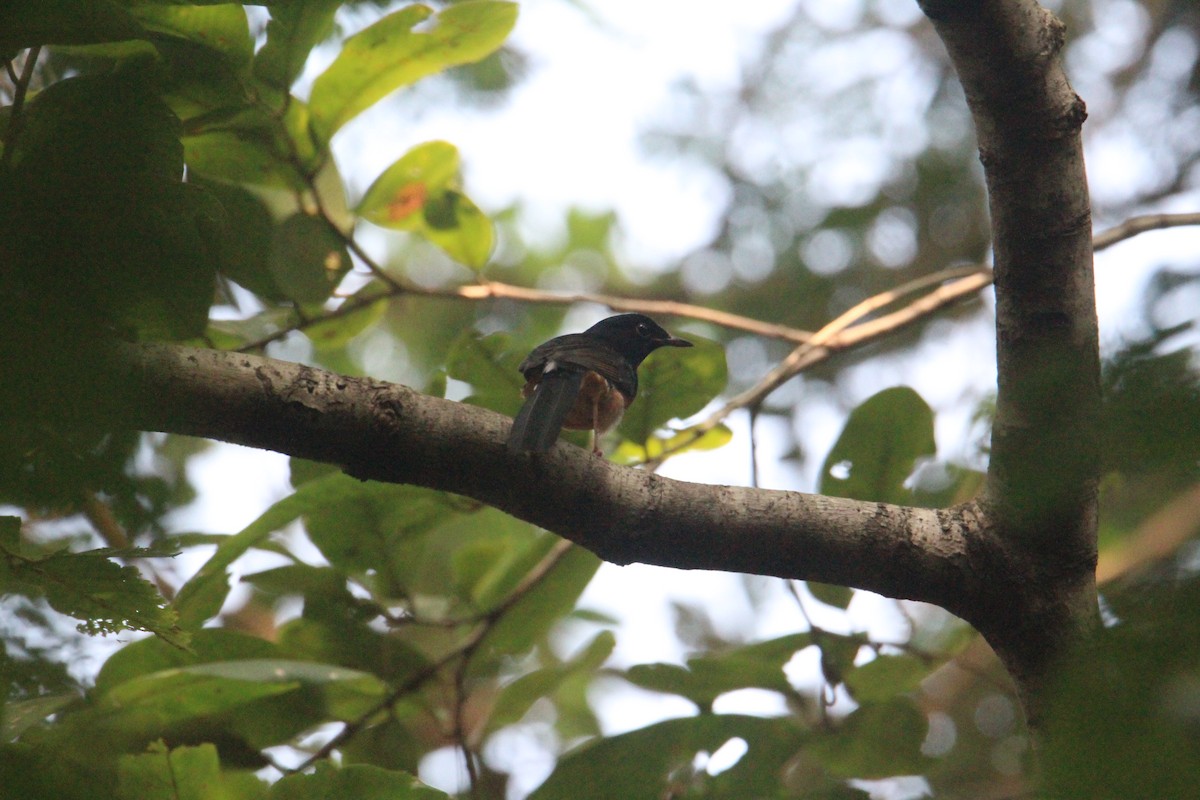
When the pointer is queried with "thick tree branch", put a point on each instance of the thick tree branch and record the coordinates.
(391, 433)
(1043, 471)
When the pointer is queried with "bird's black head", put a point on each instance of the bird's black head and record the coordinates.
(634, 336)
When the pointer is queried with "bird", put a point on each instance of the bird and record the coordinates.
(584, 381)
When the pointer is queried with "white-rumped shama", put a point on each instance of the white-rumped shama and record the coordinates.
(584, 381)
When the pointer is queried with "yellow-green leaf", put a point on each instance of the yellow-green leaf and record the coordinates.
(338, 331)
(392, 54)
(680, 442)
(420, 194)
(223, 28)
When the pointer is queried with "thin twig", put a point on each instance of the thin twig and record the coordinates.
(496, 290)
(1135, 225)
(460, 729)
(493, 289)
(15, 119)
(843, 334)
(101, 515)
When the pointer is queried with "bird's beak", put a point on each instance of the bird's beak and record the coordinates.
(673, 342)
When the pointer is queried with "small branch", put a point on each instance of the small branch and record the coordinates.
(493, 290)
(104, 521)
(459, 733)
(843, 334)
(15, 118)
(1136, 225)
(840, 335)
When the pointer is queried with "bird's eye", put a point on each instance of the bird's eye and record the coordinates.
(643, 329)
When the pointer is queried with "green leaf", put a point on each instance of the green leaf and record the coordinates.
(886, 677)
(245, 156)
(391, 54)
(101, 142)
(156, 702)
(360, 781)
(308, 258)
(674, 384)
(334, 631)
(242, 143)
(107, 597)
(20, 715)
(273, 691)
(705, 678)
(348, 694)
(948, 486)
(369, 527)
(879, 447)
(420, 193)
(481, 569)
(516, 698)
(401, 190)
(552, 598)
(293, 31)
(489, 363)
(446, 571)
(246, 245)
(148, 656)
(657, 761)
(1121, 715)
(264, 701)
(10, 534)
(185, 773)
(301, 470)
(589, 230)
(25, 24)
(340, 330)
(838, 653)
(831, 595)
(202, 596)
(680, 442)
(358, 526)
(230, 334)
(223, 28)
(879, 740)
(301, 579)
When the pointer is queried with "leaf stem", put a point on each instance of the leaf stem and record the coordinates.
(20, 88)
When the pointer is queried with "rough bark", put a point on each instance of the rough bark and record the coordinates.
(1041, 498)
(385, 432)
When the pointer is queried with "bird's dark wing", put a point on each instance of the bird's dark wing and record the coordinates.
(580, 352)
(539, 421)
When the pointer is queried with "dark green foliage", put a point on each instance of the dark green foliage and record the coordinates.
(1125, 721)
(658, 759)
(879, 448)
(1152, 407)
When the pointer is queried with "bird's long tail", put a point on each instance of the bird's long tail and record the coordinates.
(539, 421)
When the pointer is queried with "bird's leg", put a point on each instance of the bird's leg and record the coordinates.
(596, 427)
